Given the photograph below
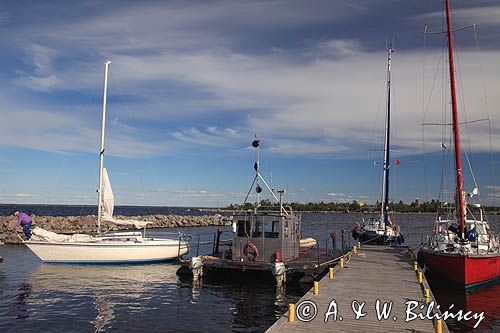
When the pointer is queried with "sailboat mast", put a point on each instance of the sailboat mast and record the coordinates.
(101, 151)
(257, 188)
(385, 183)
(456, 135)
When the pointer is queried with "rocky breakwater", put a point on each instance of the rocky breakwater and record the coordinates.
(87, 224)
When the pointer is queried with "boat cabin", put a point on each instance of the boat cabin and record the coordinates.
(265, 236)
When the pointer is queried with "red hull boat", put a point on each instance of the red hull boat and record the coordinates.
(462, 249)
(464, 269)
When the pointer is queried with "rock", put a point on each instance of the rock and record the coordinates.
(88, 224)
(12, 239)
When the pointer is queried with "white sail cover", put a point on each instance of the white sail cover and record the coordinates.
(108, 204)
(39, 234)
(108, 200)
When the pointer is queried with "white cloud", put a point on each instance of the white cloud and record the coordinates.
(336, 48)
(484, 15)
(326, 104)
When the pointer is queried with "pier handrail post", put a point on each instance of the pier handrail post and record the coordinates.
(198, 246)
(217, 241)
(326, 249)
(333, 236)
(317, 247)
(343, 241)
(213, 243)
(179, 249)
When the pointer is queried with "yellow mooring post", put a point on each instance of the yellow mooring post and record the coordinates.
(291, 312)
(330, 273)
(438, 326)
(316, 288)
(420, 277)
(427, 295)
(359, 245)
(415, 266)
(342, 262)
(354, 249)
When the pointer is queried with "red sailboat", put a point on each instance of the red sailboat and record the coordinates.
(468, 253)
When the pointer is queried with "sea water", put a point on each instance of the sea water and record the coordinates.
(36, 297)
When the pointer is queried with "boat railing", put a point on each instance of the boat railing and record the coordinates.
(219, 244)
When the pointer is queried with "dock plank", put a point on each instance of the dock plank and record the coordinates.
(375, 273)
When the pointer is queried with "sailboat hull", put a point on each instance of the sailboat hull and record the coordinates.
(374, 238)
(106, 253)
(465, 270)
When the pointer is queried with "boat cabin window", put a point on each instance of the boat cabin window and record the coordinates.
(243, 228)
(480, 228)
(271, 229)
(257, 230)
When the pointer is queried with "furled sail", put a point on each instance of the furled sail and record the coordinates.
(108, 204)
(108, 200)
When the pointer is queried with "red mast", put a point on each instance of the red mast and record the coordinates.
(456, 134)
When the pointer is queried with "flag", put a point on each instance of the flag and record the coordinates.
(397, 162)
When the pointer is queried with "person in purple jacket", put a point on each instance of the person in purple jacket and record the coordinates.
(24, 220)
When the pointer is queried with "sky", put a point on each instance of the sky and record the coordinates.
(192, 82)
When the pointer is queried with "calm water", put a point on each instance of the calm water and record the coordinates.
(36, 297)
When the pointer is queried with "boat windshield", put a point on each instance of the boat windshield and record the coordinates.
(480, 227)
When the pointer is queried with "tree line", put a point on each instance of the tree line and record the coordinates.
(416, 206)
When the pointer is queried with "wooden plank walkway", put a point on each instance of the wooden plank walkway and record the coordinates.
(375, 272)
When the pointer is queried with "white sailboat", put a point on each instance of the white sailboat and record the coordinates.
(119, 247)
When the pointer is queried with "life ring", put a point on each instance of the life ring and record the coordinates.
(253, 254)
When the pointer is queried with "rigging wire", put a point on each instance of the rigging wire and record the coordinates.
(373, 152)
(424, 171)
(467, 150)
(134, 127)
(488, 114)
(55, 182)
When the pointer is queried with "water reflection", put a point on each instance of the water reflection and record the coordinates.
(103, 293)
(105, 313)
(484, 298)
(20, 307)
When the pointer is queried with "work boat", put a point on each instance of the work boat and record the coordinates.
(382, 230)
(117, 247)
(265, 245)
(462, 248)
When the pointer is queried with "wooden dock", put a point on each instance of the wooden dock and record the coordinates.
(373, 273)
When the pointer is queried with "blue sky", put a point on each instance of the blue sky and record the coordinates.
(191, 82)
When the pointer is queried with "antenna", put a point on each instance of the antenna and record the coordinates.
(258, 176)
(258, 189)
